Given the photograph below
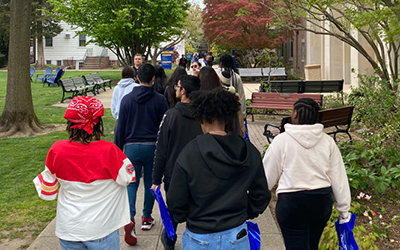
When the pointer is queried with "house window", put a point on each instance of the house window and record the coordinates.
(48, 42)
(82, 40)
(58, 62)
(291, 49)
(303, 52)
(48, 61)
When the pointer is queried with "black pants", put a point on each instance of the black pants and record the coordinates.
(302, 217)
(188, 64)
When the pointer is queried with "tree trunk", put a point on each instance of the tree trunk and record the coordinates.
(40, 64)
(153, 54)
(18, 114)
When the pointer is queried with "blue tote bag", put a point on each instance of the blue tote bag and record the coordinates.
(165, 217)
(345, 234)
(254, 235)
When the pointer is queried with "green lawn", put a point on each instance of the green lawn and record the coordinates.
(22, 212)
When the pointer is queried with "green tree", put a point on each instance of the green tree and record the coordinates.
(194, 26)
(359, 23)
(191, 32)
(43, 25)
(125, 27)
(18, 114)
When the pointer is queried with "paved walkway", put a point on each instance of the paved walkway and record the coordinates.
(271, 238)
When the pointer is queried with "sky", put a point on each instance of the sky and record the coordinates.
(199, 2)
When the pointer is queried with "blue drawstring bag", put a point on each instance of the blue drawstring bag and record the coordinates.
(254, 235)
(246, 134)
(165, 217)
(344, 230)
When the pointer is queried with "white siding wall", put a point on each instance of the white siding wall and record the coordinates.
(68, 48)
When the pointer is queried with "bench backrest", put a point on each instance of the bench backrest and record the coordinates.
(78, 81)
(301, 86)
(97, 77)
(89, 79)
(67, 84)
(336, 116)
(282, 98)
(322, 86)
(248, 72)
(274, 72)
(289, 86)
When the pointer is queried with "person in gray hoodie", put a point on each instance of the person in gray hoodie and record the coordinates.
(124, 86)
(218, 180)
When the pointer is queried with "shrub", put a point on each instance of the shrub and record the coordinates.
(376, 107)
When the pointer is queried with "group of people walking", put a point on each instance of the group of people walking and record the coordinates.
(204, 59)
(190, 139)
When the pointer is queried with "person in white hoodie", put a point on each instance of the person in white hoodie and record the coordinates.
(124, 86)
(308, 167)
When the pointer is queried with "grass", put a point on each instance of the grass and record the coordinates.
(22, 212)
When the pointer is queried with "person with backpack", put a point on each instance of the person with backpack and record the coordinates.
(209, 59)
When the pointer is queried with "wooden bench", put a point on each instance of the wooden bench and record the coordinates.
(83, 86)
(104, 81)
(68, 86)
(89, 79)
(302, 86)
(277, 101)
(275, 72)
(262, 72)
(250, 72)
(329, 118)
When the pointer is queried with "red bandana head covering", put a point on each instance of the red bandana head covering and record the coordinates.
(85, 111)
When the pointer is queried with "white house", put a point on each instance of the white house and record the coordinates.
(70, 50)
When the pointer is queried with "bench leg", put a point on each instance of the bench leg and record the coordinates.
(346, 132)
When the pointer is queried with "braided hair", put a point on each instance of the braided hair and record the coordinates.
(82, 136)
(307, 111)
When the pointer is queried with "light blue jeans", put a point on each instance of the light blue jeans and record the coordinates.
(141, 156)
(110, 242)
(221, 240)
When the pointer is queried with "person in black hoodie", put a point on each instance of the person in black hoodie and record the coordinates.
(177, 129)
(218, 180)
(140, 115)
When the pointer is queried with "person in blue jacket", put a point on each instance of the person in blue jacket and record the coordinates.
(140, 115)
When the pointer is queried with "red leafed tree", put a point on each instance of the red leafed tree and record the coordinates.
(239, 24)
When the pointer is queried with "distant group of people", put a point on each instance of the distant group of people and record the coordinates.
(204, 59)
(187, 134)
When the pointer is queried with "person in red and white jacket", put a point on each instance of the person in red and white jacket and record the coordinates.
(92, 175)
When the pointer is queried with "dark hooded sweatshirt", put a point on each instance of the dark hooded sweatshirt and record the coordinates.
(177, 129)
(140, 115)
(217, 184)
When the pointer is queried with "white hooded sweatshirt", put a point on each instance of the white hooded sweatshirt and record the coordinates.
(124, 86)
(305, 158)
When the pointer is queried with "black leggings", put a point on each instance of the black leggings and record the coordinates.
(302, 217)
